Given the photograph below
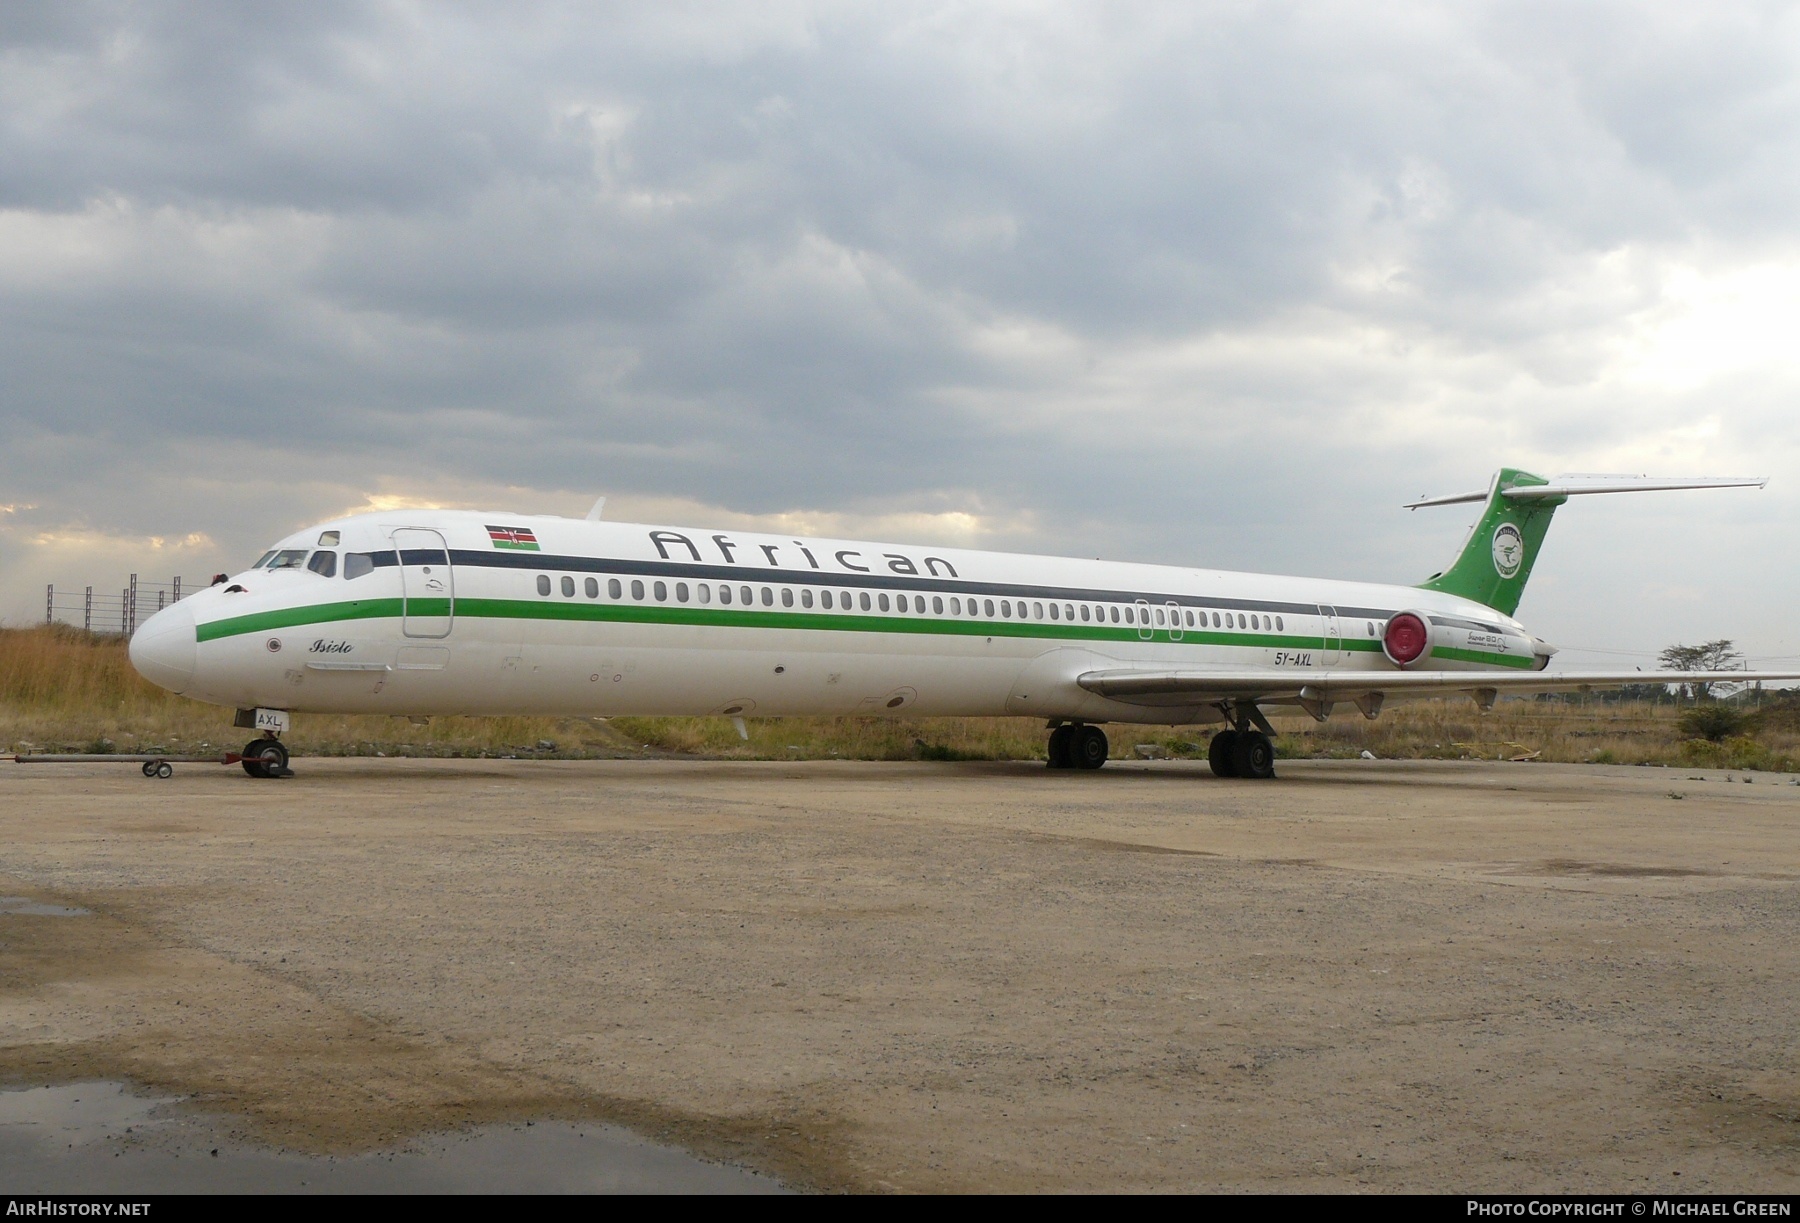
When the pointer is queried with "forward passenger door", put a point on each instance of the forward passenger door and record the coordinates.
(428, 586)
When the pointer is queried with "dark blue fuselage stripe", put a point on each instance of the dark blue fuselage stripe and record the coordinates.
(546, 562)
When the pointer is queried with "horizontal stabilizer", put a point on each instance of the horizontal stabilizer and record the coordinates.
(1199, 687)
(1577, 485)
(1580, 486)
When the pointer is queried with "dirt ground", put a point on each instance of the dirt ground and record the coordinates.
(1389, 976)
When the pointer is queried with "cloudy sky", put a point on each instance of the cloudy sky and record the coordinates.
(1215, 284)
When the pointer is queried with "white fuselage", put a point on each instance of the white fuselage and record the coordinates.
(438, 612)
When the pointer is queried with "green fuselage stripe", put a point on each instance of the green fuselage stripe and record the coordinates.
(317, 613)
(731, 617)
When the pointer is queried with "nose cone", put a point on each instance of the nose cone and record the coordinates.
(164, 647)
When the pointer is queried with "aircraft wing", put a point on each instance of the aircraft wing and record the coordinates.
(1300, 687)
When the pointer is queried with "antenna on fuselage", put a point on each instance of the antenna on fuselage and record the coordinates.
(594, 514)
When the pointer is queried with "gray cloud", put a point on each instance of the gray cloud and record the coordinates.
(1191, 283)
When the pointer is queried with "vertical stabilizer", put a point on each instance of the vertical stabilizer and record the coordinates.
(1496, 560)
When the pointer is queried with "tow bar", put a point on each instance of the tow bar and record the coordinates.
(155, 764)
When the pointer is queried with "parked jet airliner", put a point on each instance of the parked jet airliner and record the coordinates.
(422, 612)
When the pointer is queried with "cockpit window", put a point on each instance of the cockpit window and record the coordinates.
(323, 563)
(329, 539)
(359, 564)
(289, 558)
(263, 559)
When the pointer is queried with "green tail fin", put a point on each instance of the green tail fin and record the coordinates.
(1496, 560)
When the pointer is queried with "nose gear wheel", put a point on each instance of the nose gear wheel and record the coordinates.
(265, 758)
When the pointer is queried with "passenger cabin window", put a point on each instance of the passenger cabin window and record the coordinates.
(613, 589)
(768, 597)
(568, 587)
(637, 589)
(704, 591)
(825, 599)
(681, 592)
(661, 590)
(787, 596)
(543, 583)
(884, 602)
(323, 563)
(724, 594)
(591, 587)
(806, 598)
(1279, 626)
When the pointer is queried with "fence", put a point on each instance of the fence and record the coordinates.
(113, 613)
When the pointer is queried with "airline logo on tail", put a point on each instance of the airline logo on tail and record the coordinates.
(1509, 550)
(518, 539)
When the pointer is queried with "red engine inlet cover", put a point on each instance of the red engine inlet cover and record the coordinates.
(1406, 640)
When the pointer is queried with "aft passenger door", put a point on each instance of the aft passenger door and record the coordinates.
(428, 587)
(1333, 643)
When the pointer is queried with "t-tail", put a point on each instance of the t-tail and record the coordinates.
(1496, 560)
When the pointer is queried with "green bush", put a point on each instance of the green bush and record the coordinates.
(1714, 723)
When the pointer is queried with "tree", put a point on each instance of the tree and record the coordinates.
(1709, 656)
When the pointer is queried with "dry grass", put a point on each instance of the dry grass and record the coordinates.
(1596, 732)
(63, 689)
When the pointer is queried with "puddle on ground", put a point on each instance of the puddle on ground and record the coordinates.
(37, 908)
(100, 1138)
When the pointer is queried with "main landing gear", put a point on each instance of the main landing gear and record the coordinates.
(1242, 753)
(1077, 747)
(266, 757)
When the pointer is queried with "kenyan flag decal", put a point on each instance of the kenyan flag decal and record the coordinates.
(517, 539)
